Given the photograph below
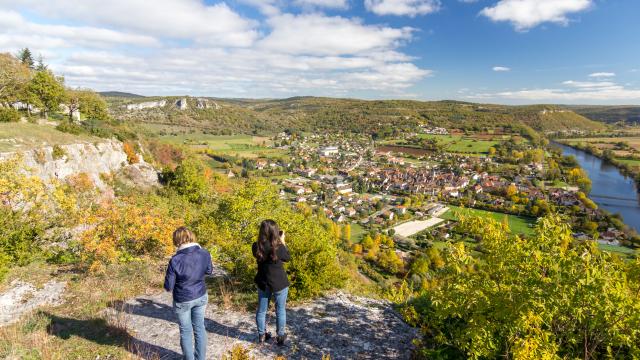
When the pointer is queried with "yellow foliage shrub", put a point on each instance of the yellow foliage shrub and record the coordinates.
(132, 157)
(122, 231)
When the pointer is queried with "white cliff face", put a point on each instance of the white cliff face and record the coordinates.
(182, 104)
(146, 105)
(107, 157)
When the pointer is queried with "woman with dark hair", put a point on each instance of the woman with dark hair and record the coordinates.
(271, 252)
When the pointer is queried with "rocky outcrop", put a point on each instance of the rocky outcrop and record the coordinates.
(340, 325)
(23, 297)
(146, 105)
(93, 159)
(182, 104)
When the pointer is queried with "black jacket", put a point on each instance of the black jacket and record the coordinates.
(271, 275)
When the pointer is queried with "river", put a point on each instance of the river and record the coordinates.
(610, 189)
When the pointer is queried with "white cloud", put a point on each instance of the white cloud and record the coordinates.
(527, 14)
(602, 75)
(184, 19)
(279, 55)
(17, 32)
(410, 8)
(333, 4)
(501, 69)
(572, 92)
(589, 85)
(319, 34)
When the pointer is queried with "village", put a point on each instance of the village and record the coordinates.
(352, 181)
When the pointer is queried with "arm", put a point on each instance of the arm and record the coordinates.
(283, 253)
(254, 249)
(170, 278)
(209, 269)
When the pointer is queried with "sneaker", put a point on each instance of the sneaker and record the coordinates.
(281, 339)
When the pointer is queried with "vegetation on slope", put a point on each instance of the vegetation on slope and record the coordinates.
(379, 118)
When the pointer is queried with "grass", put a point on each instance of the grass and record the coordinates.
(623, 251)
(462, 144)
(632, 162)
(26, 136)
(517, 224)
(357, 232)
(80, 329)
(238, 145)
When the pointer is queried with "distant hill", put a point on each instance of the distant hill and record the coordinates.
(609, 114)
(371, 116)
(119, 94)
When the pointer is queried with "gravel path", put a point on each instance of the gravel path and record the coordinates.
(344, 326)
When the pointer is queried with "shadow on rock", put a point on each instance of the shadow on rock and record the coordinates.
(156, 310)
(101, 332)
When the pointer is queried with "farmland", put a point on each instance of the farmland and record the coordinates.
(245, 146)
(517, 224)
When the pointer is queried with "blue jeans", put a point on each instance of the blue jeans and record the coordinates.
(191, 321)
(281, 312)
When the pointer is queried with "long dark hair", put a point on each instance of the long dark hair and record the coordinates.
(268, 240)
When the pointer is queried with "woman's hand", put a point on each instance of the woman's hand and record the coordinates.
(282, 238)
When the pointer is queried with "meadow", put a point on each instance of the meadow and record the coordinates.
(245, 146)
(517, 224)
(25, 136)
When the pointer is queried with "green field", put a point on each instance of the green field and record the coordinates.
(620, 250)
(631, 162)
(518, 224)
(25, 136)
(357, 232)
(237, 145)
(462, 144)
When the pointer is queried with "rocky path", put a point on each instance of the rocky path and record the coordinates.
(22, 298)
(339, 325)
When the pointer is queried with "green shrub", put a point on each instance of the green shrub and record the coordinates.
(58, 152)
(18, 240)
(70, 128)
(233, 227)
(9, 115)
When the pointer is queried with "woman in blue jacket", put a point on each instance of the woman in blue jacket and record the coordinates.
(271, 252)
(185, 278)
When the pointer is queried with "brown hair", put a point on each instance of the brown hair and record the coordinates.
(182, 236)
(268, 241)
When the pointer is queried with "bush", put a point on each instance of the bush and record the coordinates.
(9, 115)
(233, 228)
(541, 297)
(129, 149)
(58, 152)
(124, 230)
(191, 179)
(71, 128)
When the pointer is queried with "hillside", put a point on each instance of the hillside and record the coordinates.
(609, 114)
(372, 116)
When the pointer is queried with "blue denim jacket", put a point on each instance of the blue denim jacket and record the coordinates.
(185, 273)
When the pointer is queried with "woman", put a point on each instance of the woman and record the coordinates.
(185, 278)
(271, 252)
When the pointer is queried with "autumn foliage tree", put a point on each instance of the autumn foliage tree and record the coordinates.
(232, 228)
(542, 297)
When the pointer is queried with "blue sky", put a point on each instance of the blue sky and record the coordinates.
(498, 51)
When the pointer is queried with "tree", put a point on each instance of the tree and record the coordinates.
(47, 90)
(542, 297)
(26, 58)
(189, 180)
(14, 77)
(88, 103)
(41, 66)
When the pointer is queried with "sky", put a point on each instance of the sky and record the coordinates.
(491, 51)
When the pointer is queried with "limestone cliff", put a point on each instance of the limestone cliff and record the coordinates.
(94, 159)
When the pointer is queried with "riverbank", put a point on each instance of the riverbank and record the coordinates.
(611, 189)
(628, 167)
